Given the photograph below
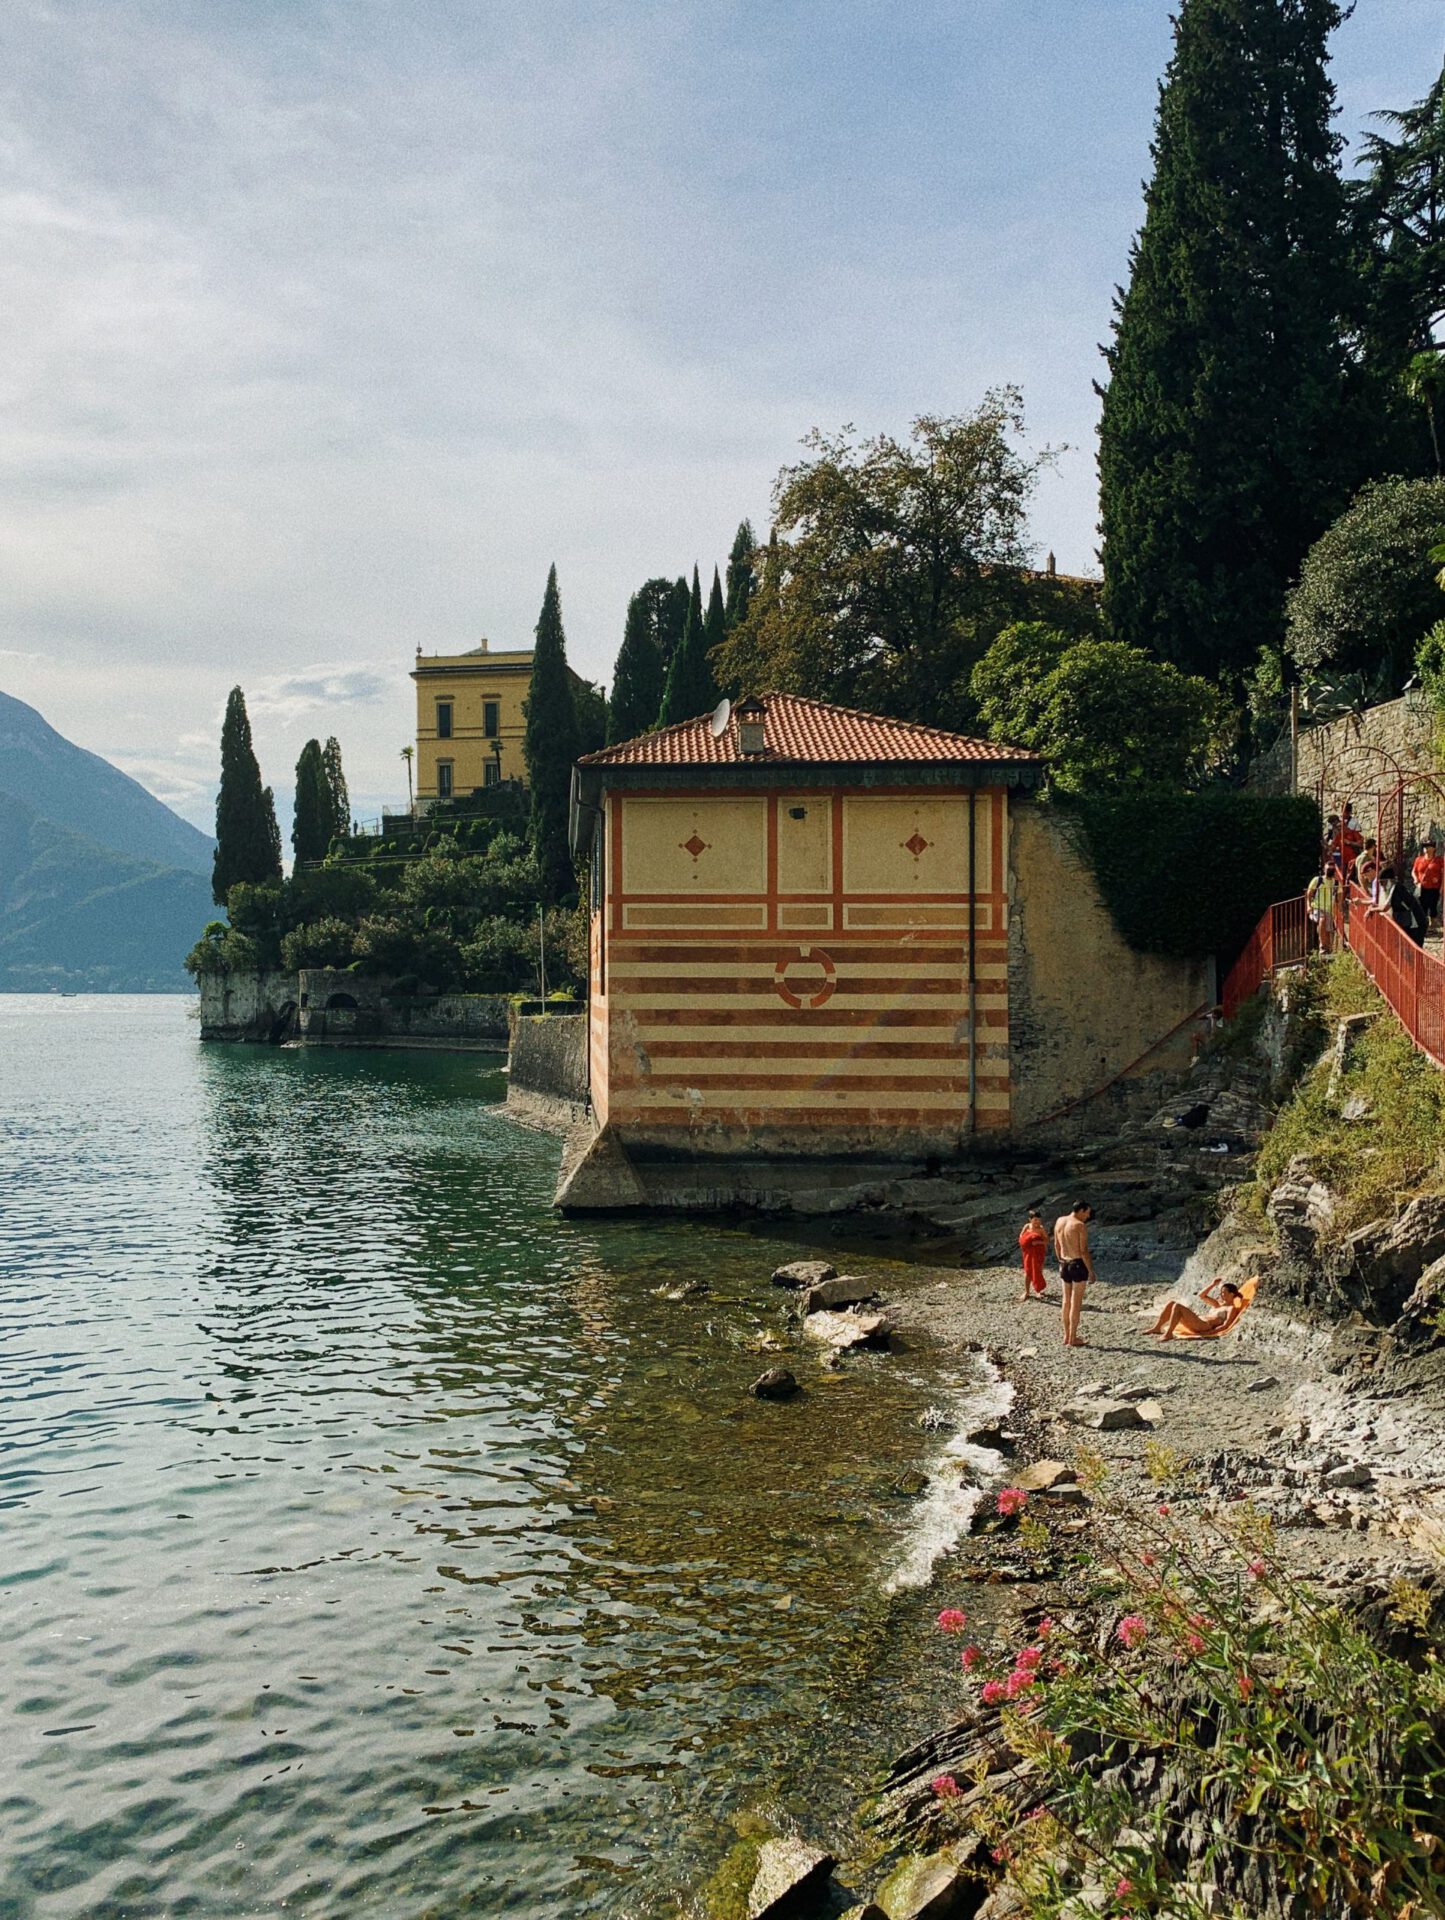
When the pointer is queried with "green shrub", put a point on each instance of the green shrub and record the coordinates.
(1186, 873)
(1367, 590)
(319, 943)
(223, 949)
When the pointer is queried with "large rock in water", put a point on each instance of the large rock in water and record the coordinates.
(930, 1887)
(851, 1329)
(789, 1873)
(804, 1273)
(847, 1290)
(1383, 1263)
(776, 1384)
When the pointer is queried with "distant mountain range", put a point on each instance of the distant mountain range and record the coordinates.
(102, 888)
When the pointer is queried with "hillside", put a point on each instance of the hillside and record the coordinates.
(111, 909)
(72, 788)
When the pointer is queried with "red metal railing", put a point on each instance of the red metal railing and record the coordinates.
(1283, 938)
(1412, 980)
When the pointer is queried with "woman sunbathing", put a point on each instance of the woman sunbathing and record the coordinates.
(1226, 1304)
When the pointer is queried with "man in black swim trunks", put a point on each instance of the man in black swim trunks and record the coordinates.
(1076, 1265)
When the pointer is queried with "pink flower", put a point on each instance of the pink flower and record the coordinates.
(1194, 1643)
(1001, 1855)
(1035, 1813)
(1164, 1509)
(1246, 1685)
(1123, 1888)
(971, 1658)
(1256, 1569)
(1012, 1500)
(1045, 1627)
(945, 1786)
(952, 1620)
(1029, 1658)
(1146, 1559)
(1019, 1681)
(1132, 1629)
(992, 1692)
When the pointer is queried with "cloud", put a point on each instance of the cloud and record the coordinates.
(284, 700)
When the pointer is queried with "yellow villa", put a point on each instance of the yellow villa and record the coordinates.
(470, 716)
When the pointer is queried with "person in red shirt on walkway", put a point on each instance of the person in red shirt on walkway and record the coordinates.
(1429, 870)
(1033, 1243)
(1351, 840)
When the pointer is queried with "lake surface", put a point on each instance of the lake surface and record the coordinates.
(376, 1543)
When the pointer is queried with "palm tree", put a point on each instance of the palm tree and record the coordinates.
(1424, 380)
(409, 754)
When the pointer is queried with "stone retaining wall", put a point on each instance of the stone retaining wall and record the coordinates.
(547, 1081)
(247, 1006)
(323, 1007)
(1362, 758)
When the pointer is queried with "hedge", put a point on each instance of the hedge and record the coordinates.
(1191, 873)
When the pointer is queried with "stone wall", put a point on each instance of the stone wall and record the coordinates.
(547, 1074)
(1086, 1012)
(349, 1010)
(247, 1006)
(1361, 758)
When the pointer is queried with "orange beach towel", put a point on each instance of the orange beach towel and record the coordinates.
(1214, 1333)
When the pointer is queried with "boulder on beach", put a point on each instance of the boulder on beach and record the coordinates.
(804, 1273)
(1043, 1475)
(789, 1873)
(776, 1384)
(1105, 1416)
(846, 1290)
(932, 1886)
(851, 1329)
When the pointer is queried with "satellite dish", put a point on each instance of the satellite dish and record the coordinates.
(721, 714)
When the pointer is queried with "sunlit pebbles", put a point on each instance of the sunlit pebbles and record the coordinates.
(376, 1543)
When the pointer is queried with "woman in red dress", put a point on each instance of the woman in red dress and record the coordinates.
(1033, 1243)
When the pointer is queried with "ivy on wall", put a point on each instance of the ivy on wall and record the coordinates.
(1191, 873)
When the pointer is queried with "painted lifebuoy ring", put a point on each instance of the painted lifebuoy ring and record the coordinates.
(822, 994)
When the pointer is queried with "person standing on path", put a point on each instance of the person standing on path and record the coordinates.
(1076, 1265)
(1033, 1244)
(1429, 870)
(1322, 903)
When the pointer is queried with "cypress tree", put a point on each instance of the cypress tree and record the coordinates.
(637, 675)
(311, 825)
(336, 788)
(714, 627)
(690, 688)
(1220, 444)
(248, 841)
(549, 746)
(742, 573)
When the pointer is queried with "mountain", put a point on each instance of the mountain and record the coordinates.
(64, 784)
(110, 907)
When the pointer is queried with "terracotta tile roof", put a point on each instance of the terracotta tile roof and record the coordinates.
(806, 731)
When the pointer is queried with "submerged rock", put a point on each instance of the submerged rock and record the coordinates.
(804, 1273)
(851, 1329)
(789, 1873)
(776, 1384)
(996, 1438)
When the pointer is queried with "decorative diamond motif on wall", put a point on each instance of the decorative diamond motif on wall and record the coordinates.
(695, 845)
(916, 844)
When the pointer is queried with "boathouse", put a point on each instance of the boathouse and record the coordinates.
(818, 934)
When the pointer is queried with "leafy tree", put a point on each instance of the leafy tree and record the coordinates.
(637, 676)
(549, 746)
(1367, 591)
(248, 841)
(891, 566)
(1399, 201)
(691, 688)
(501, 957)
(336, 788)
(1010, 682)
(319, 943)
(589, 703)
(1222, 453)
(742, 574)
(1423, 381)
(313, 825)
(1104, 716)
(392, 946)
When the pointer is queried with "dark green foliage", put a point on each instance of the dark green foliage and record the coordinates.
(396, 947)
(663, 605)
(637, 676)
(1191, 873)
(1399, 201)
(313, 824)
(549, 746)
(714, 625)
(1367, 593)
(691, 688)
(248, 841)
(892, 566)
(1011, 682)
(1222, 444)
(336, 788)
(319, 943)
(589, 703)
(742, 573)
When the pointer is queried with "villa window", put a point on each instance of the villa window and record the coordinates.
(491, 719)
(492, 774)
(444, 719)
(444, 779)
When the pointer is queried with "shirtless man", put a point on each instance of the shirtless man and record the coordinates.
(1076, 1266)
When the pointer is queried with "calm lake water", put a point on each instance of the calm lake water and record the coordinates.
(376, 1543)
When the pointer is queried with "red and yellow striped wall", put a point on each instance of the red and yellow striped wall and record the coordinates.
(790, 970)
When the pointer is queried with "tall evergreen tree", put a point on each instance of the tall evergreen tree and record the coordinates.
(312, 822)
(1220, 442)
(336, 788)
(714, 627)
(549, 746)
(691, 688)
(637, 676)
(248, 841)
(742, 573)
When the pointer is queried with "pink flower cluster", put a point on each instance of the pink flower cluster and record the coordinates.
(952, 1620)
(1132, 1629)
(945, 1787)
(1012, 1500)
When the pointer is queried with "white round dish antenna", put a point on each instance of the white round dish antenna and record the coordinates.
(721, 714)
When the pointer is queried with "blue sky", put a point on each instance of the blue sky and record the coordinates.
(329, 326)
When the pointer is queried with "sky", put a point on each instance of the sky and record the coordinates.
(329, 325)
